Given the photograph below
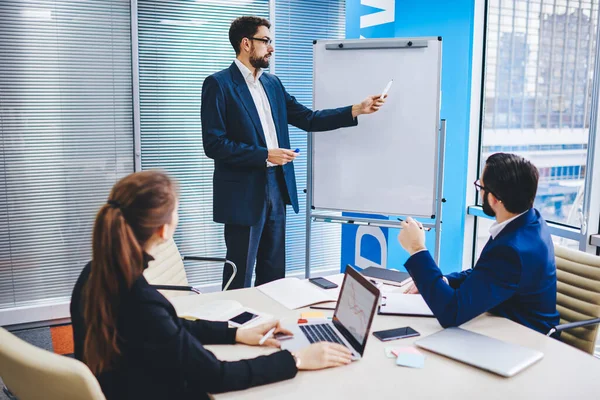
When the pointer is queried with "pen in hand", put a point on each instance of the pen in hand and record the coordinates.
(425, 229)
(266, 336)
(386, 90)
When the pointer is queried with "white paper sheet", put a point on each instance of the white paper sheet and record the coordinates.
(404, 304)
(294, 293)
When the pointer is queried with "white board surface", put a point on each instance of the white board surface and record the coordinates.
(388, 164)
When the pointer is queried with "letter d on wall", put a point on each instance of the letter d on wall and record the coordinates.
(363, 262)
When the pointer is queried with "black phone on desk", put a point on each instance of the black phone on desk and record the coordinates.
(241, 319)
(323, 283)
(396, 333)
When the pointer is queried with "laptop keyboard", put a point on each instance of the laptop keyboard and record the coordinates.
(320, 333)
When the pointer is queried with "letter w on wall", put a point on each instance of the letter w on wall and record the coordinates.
(386, 15)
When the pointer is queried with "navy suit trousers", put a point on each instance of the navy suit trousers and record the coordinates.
(263, 242)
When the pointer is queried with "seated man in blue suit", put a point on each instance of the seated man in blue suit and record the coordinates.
(245, 116)
(515, 276)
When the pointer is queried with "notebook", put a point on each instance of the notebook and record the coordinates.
(387, 276)
(404, 304)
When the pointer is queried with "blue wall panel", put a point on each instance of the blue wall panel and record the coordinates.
(453, 20)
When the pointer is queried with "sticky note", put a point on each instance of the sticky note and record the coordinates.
(312, 314)
(411, 360)
(404, 350)
(389, 352)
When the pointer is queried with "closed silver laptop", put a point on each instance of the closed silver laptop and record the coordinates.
(481, 351)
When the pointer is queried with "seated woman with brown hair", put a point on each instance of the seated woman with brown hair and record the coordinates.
(129, 334)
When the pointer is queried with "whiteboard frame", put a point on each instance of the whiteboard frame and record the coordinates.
(436, 213)
(362, 44)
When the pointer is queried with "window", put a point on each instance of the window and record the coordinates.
(66, 133)
(538, 95)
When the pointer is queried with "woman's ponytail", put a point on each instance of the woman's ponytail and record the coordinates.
(139, 204)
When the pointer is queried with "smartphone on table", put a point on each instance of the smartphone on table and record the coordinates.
(396, 333)
(322, 283)
(242, 319)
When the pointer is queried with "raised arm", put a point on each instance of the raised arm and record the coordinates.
(455, 279)
(490, 283)
(314, 121)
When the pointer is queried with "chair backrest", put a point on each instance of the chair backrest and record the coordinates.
(32, 373)
(167, 268)
(578, 295)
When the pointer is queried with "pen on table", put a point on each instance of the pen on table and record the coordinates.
(323, 307)
(425, 229)
(267, 335)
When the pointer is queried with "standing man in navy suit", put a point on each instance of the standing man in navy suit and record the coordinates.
(245, 116)
(515, 276)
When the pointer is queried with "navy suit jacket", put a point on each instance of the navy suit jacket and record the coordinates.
(515, 277)
(232, 135)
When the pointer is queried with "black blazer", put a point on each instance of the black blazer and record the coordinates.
(232, 135)
(163, 356)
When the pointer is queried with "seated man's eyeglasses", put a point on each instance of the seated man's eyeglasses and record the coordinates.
(479, 186)
(266, 41)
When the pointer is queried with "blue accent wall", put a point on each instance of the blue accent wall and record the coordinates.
(453, 21)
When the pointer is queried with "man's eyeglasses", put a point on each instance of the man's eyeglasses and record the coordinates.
(268, 42)
(479, 186)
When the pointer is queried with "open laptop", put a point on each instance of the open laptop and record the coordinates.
(481, 351)
(351, 321)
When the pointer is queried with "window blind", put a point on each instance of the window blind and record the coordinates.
(66, 137)
(180, 44)
(297, 24)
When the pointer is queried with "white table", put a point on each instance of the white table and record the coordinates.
(563, 373)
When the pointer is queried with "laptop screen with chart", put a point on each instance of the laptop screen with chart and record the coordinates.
(351, 321)
(355, 309)
(355, 306)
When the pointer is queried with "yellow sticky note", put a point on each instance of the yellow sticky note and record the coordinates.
(312, 314)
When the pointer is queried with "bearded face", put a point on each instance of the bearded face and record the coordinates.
(260, 56)
(487, 209)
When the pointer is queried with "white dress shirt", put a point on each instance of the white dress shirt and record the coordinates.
(261, 101)
(496, 227)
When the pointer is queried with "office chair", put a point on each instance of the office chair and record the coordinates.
(167, 273)
(32, 373)
(578, 297)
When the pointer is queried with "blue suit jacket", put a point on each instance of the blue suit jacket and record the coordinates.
(515, 277)
(232, 135)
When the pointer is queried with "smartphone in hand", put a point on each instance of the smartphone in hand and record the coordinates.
(283, 336)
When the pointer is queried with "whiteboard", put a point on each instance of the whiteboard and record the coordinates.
(388, 164)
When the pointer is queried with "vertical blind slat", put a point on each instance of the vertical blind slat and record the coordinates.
(66, 124)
